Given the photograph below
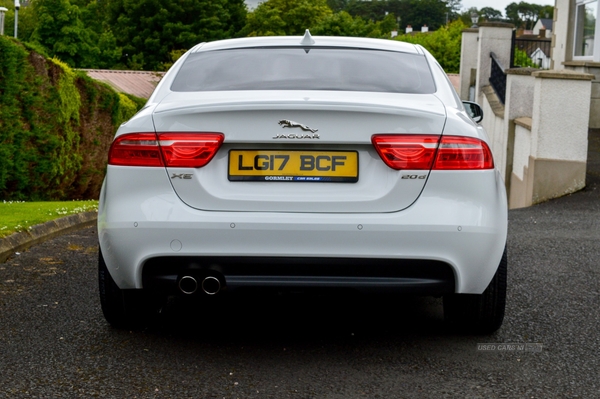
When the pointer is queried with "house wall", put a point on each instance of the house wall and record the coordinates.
(562, 38)
(562, 55)
(593, 68)
(539, 136)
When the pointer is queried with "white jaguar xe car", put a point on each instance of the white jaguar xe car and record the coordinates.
(300, 163)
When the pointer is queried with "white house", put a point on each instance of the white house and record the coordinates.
(576, 28)
(541, 59)
(543, 24)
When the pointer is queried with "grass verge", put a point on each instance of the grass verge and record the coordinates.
(18, 216)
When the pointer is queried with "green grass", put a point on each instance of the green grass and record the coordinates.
(18, 216)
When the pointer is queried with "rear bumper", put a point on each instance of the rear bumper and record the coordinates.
(462, 227)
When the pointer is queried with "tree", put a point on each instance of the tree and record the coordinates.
(423, 12)
(343, 24)
(373, 10)
(337, 5)
(285, 17)
(444, 44)
(525, 15)
(149, 30)
(490, 14)
(454, 7)
(60, 30)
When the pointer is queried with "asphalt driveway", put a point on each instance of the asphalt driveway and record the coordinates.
(55, 343)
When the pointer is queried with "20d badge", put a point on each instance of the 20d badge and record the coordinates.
(293, 166)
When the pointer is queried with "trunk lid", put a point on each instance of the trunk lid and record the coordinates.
(318, 130)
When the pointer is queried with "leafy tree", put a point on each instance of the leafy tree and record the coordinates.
(454, 7)
(148, 30)
(106, 53)
(433, 13)
(337, 5)
(285, 17)
(424, 12)
(490, 14)
(60, 30)
(343, 24)
(444, 44)
(525, 15)
(373, 10)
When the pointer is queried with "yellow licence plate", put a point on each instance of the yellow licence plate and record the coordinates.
(293, 166)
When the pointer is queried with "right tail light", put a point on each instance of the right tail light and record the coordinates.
(425, 152)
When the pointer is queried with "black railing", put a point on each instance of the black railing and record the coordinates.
(498, 78)
(533, 53)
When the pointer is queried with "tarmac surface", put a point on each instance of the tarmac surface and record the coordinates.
(54, 342)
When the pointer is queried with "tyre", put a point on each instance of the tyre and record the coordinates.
(121, 308)
(479, 313)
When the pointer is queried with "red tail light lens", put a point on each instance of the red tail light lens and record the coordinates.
(421, 152)
(189, 150)
(463, 153)
(184, 150)
(137, 149)
(414, 152)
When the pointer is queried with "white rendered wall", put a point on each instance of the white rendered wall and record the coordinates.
(494, 126)
(560, 116)
(468, 60)
(560, 34)
(522, 151)
(519, 94)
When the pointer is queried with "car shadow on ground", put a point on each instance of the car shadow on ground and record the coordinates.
(301, 317)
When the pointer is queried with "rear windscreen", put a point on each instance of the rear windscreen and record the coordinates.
(305, 69)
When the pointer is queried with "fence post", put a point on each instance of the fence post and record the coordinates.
(493, 37)
(468, 61)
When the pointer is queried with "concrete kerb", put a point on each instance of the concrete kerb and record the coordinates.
(43, 232)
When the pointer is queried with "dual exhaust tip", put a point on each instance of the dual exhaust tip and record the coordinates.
(209, 285)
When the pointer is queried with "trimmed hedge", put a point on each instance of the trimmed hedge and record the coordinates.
(56, 126)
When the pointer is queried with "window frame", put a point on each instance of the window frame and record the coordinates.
(595, 56)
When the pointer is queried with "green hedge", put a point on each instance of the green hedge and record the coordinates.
(56, 126)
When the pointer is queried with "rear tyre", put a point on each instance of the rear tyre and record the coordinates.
(479, 313)
(121, 308)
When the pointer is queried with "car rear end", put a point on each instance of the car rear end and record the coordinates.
(267, 163)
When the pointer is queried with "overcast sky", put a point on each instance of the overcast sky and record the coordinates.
(499, 5)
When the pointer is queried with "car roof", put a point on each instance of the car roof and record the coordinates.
(319, 41)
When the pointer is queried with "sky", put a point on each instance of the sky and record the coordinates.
(499, 5)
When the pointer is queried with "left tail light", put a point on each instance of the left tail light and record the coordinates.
(183, 150)
(412, 152)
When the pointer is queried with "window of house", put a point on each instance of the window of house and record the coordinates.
(585, 28)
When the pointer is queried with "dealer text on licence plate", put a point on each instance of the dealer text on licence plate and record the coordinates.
(293, 166)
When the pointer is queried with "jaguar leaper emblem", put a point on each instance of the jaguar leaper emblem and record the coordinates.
(287, 123)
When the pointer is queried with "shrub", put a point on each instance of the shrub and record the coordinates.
(56, 126)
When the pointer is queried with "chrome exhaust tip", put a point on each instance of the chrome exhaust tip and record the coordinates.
(211, 285)
(188, 285)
